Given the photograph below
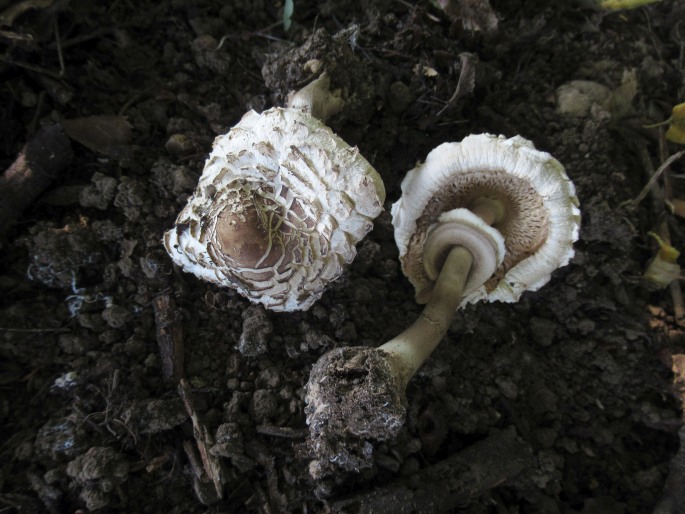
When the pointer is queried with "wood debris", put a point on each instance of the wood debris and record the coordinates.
(211, 470)
(449, 483)
(169, 337)
(43, 158)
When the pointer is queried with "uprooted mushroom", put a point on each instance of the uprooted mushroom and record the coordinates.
(280, 205)
(484, 219)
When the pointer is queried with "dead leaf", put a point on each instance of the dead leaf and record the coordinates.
(8, 15)
(678, 207)
(615, 5)
(474, 15)
(621, 103)
(663, 269)
(108, 135)
(676, 127)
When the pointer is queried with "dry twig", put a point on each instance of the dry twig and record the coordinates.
(41, 160)
(169, 337)
(449, 483)
(211, 465)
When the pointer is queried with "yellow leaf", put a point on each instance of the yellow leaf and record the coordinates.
(666, 252)
(678, 207)
(663, 268)
(661, 273)
(624, 4)
(676, 127)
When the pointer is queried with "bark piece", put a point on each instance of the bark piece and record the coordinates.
(450, 482)
(211, 470)
(169, 337)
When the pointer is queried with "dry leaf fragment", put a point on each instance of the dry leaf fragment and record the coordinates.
(474, 15)
(663, 269)
(676, 126)
(426, 71)
(615, 5)
(11, 13)
(678, 207)
(108, 135)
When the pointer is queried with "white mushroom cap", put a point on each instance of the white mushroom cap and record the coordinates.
(542, 217)
(278, 210)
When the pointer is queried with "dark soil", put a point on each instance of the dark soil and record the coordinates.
(95, 319)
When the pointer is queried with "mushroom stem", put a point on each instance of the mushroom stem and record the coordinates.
(490, 210)
(411, 348)
(317, 99)
(520, 204)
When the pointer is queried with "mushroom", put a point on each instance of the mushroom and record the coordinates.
(484, 219)
(524, 193)
(281, 203)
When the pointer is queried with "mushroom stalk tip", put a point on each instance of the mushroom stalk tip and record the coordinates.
(317, 99)
(490, 210)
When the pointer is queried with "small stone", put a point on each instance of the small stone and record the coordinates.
(399, 97)
(157, 415)
(95, 499)
(116, 316)
(98, 462)
(578, 97)
(179, 145)
(100, 193)
(60, 437)
(263, 405)
(257, 330)
(542, 331)
(546, 437)
(269, 378)
(507, 387)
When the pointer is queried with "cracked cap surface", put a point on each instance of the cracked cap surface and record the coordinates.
(278, 210)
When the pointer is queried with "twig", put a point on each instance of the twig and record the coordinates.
(674, 287)
(655, 176)
(31, 67)
(203, 439)
(671, 501)
(466, 82)
(35, 330)
(41, 160)
(659, 196)
(287, 432)
(60, 55)
(277, 500)
(449, 483)
(169, 337)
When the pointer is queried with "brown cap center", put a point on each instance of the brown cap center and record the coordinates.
(247, 237)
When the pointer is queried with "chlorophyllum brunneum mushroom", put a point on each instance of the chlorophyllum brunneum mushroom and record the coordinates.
(484, 219)
(280, 205)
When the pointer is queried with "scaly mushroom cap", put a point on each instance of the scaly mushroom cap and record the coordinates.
(279, 207)
(541, 219)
